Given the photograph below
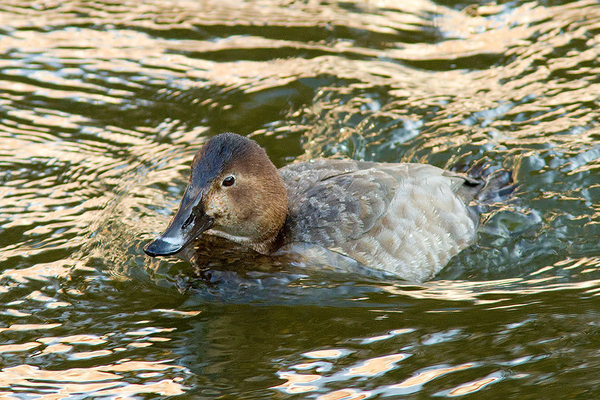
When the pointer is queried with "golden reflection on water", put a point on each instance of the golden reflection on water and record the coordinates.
(107, 379)
(345, 394)
(414, 382)
(327, 354)
(29, 327)
(297, 383)
(473, 291)
(377, 366)
(91, 340)
(11, 348)
(371, 368)
(473, 387)
(57, 348)
(101, 381)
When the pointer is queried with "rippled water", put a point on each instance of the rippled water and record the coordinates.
(104, 103)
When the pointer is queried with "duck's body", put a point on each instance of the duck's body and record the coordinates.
(407, 219)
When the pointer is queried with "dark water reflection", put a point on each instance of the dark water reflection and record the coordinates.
(103, 105)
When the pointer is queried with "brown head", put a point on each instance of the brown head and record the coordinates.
(235, 191)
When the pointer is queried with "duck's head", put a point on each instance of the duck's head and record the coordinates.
(235, 191)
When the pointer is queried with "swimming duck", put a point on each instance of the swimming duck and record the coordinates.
(407, 219)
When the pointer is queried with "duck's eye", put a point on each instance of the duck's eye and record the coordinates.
(230, 180)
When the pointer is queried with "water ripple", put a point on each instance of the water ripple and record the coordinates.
(104, 104)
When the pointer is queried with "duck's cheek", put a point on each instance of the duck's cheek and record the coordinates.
(219, 208)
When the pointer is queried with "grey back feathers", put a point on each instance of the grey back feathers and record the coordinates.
(407, 219)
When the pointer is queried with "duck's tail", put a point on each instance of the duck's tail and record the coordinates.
(496, 184)
(498, 187)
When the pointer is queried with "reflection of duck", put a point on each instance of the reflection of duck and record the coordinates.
(407, 219)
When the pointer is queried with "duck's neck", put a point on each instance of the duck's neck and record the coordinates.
(270, 245)
(273, 243)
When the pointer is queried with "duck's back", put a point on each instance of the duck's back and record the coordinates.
(408, 219)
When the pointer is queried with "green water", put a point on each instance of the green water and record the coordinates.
(103, 105)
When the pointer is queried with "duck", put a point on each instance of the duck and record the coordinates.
(404, 219)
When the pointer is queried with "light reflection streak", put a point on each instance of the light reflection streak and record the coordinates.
(472, 291)
(11, 348)
(29, 327)
(58, 268)
(377, 366)
(474, 386)
(86, 355)
(297, 383)
(389, 335)
(326, 354)
(100, 381)
(421, 378)
(345, 394)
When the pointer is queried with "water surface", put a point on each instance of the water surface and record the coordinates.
(104, 104)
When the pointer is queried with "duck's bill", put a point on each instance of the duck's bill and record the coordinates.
(187, 225)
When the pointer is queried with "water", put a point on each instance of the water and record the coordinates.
(104, 104)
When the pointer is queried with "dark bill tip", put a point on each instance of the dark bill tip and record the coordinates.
(181, 232)
(160, 247)
(188, 223)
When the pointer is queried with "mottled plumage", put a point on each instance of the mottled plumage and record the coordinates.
(406, 219)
